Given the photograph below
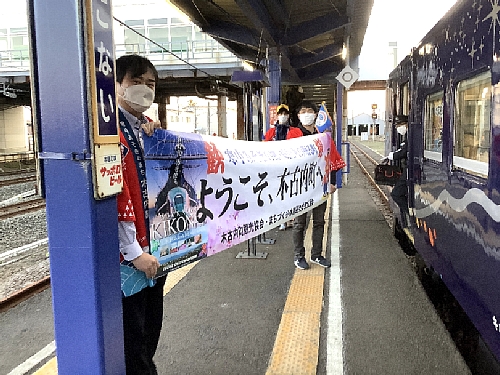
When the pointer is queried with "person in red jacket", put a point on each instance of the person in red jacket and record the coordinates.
(282, 129)
(136, 79)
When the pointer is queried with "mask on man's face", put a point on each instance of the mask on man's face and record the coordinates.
(401, 130)
(139, 97)
(307, 118)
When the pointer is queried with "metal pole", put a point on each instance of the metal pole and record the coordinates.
(208, 118)
(82, 231)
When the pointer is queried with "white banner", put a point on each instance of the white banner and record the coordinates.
(207, 193)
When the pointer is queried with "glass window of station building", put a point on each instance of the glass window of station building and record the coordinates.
(169, 33)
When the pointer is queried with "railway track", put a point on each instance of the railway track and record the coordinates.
(367, 161)
(31, 169)
(18, 180)
(24, 294)
(367, 164)
(22, 208)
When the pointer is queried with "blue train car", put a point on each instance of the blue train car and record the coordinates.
(449, 87)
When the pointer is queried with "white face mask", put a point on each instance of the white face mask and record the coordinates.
(401, 130)
(139, 97)
(307, 118)
(282, 119)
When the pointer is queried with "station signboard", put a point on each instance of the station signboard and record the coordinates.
(105, 139)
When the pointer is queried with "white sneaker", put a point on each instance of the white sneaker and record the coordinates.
(282, 227)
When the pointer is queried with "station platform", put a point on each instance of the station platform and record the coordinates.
(367, 314)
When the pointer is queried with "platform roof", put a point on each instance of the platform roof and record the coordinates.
(308, 35)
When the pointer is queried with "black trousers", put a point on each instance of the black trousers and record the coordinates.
(400, 195)
(299, 229)
(142, 322)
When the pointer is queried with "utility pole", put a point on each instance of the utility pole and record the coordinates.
(394, 46)
(208, 118)
(374, 117)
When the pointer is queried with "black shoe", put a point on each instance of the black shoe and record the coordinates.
(301, 263)
(322, 261)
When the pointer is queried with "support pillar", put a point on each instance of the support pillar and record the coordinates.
(340, 116)
(82, 231)
(273, 92)
(221, 116)
(162, 101)
(240, 118)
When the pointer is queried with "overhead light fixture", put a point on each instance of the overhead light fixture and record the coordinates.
(247, 66)
(344, 52)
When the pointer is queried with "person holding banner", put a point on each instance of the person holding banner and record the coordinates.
(308, 112)
(136, 79)
(282, 129)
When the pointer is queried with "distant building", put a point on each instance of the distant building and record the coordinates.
(365, 123)
(168, 35)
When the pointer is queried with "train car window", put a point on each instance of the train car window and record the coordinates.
(433, 126)
(405, 97)
(472, 124)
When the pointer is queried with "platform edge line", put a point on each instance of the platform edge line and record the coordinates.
(334, 356)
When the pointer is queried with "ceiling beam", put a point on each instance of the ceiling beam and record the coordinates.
(280, 15)
(369, 85)
(235, 33)
(318, 71)
(188, 7)
(307, 59)
(319, 25)
(259, 16)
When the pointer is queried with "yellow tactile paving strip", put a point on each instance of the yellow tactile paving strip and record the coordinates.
(296, 347)
(50, 368)
(176, 276)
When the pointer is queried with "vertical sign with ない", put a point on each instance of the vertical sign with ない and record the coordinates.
(107, 166)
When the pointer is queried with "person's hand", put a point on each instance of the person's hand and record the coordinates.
(384, 160)
(149, 127)
(333, 188)
(147, 263)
